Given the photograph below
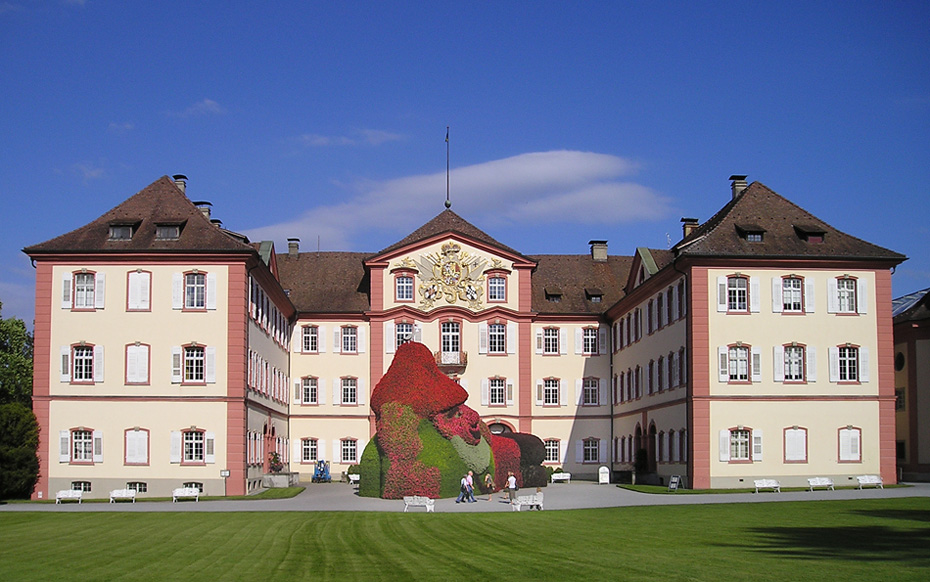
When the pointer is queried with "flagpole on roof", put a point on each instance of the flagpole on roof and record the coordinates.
(448, 202)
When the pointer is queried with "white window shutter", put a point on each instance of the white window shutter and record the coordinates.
(778, 363)
(390, 338)
(863, 364)
(177, 291)
(298, 391)
(209, 447)
(100, 289)
(176, 368)
(98, 363)
(579, 389)
(66, 282)
(563, 341)
(417, 333)
(602, 451)
(723, 374)
(540, 399)
(321, 339)
(777, 302)
(757, 445)
(602, 391)
(211, 291)
(756, 364)
(64, 446)
(862, 295)
(602, 341)
(360, 344)
(65, 370)
(834, 357)
(795, 445)
(674, 363)
(297, 454)
(485, 388)
(360, 392)
(210, 368)
(359, 449)
(539, 341)
(754, 294)
(175, 450)
(810, 295)
(563, 398)
(579, 451)
(509, 395)
(320, 391)
(722, 294)
(511, 337)
(810, 353)
(337, 451)
(674, 303)
(833, 304)
(98, 446)
(483, 337)
(579, 340)
(725, 446)
(337, 340)
(337, 391)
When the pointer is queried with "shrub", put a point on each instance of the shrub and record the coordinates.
(532, 449)
(370, 477)
(534, 476)
(506, 459)
(414, 379)
(439, 452)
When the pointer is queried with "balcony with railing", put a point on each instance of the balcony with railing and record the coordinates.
(451, 362)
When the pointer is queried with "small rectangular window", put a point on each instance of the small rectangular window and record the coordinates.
(120, 232)
(167, 231)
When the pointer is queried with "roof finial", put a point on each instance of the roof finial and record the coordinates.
(448, 202)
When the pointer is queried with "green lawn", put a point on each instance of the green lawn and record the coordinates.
(784, 542)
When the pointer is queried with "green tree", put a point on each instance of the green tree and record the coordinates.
(16, 345)
(19, 440)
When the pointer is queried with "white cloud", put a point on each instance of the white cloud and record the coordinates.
(120, 128)
(204, 107)
(372, 137)
(87, 171)
(567, 187)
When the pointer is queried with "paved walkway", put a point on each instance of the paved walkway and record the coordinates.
(576, 495)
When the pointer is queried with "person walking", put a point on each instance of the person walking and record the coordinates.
(511, 486)
(470, 484)
(463, 490)
(489, 485)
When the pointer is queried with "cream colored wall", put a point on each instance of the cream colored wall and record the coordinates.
(819, 329)
(161, 328)
(277, 357)
(569, 431)
(420, 255)
(822, 419)
(569, 368)
(331, 430)
(160, 418)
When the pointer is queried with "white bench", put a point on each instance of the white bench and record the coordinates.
(873, 480)
(69, 495)
(419, 501)
(531, 501)
(118, 494)
(353, 479)
(825, 482)
(567, 477)
(185, 493)
(772, 484)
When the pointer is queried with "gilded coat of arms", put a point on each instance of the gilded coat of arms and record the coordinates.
(451, 274)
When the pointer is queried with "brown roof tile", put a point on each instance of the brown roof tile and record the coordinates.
(161, 202)
(573, 275)
(783, 223)
(446, 222)
(330, 282)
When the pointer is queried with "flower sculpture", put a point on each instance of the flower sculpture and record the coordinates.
(427, 438)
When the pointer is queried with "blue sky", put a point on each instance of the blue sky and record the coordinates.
(570, 121)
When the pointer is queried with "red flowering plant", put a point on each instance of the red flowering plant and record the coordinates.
(506, 459)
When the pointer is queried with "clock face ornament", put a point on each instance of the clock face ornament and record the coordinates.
(452, 274)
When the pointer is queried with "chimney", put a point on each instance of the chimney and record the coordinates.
(688, 225)
(216, 222)
(598, 250)
(205, 207)
(180, 180)
(293, 247)
(738, 184)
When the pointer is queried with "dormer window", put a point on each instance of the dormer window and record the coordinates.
(810, 233)
(553, 294)
(593, 295)
(750, 232)
(120, 232)
(167, 231)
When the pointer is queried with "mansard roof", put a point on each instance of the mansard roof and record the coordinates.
(326, 282)
(785, 228)
(576, 278)
(447, 222)
(911, 307)
(159, 203)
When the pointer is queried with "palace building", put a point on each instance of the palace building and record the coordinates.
(170, 351)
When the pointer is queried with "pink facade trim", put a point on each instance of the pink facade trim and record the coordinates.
(41, 371)
(886, 397)
(237, 371)
(699, 364)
